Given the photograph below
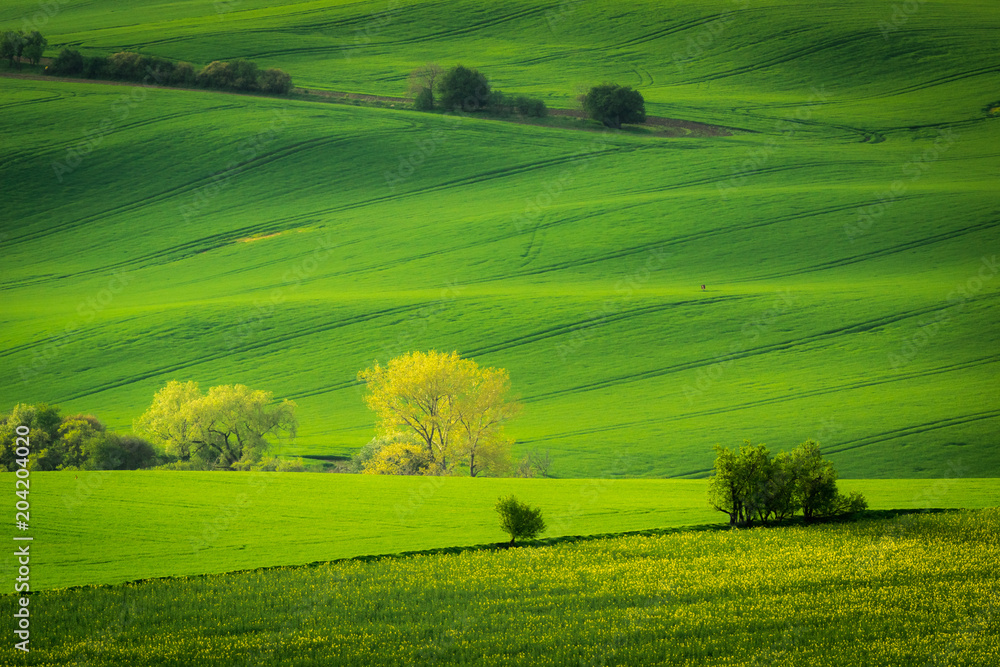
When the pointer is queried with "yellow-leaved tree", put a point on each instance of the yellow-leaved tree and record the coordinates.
(228, 427)
(455, 411)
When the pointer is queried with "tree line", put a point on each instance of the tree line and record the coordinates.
(751, 486)
(231, 427)
(457, 89)
(16, 44)
(468, 90)
(237, 75)
(465, 89)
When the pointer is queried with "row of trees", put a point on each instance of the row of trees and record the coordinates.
(15, 44)
(75, 442)
(238, 75)
(229, 428)
(752, 486)
(465, 89)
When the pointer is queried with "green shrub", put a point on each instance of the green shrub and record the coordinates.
(518, 519)
(69, 62)
(275, 82)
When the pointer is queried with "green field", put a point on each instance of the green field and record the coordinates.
(181, 523)
(843, 218)
(916, 590)
(847, 242)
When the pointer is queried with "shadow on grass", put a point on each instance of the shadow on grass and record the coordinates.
(867, 515)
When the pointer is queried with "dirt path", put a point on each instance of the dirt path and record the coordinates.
(671, 127)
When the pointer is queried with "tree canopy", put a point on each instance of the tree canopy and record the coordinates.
(228, 427)
(76, 442)
(518, 519)
(749, 485)
(462, 88)
(447, 407)
(613, 105)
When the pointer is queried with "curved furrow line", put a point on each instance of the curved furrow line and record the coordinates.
(56, 147)
(250, 347)
(797, 343)
(452, 32)
(534, 337)
(881, 252)
(933, 425)
(849, 386)
(673, 29)
(164, 255)
(41, 100)
(472, 27)
(654, 245)
(83, 332)
(584, 324)
(949, 78)
(181, 189)
(207, 243)
(781, 59)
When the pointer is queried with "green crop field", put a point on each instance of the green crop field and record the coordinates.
(183, 523)
(847, 237)
(916, 590)
(816, 260)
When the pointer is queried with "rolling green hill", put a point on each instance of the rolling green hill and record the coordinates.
(846, 237)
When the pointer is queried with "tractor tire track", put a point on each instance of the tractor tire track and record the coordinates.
(848, 386)
(915, 429)
(253, 347)
(881, 252)
(793, 344)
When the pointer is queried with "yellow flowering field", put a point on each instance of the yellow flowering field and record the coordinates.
(920, 589)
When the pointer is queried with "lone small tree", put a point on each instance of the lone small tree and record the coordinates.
(613, 105)
(518, 519)
(34, 47)
(421, 85)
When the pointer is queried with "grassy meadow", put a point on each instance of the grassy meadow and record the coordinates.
(186, 523)
(916, 590)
